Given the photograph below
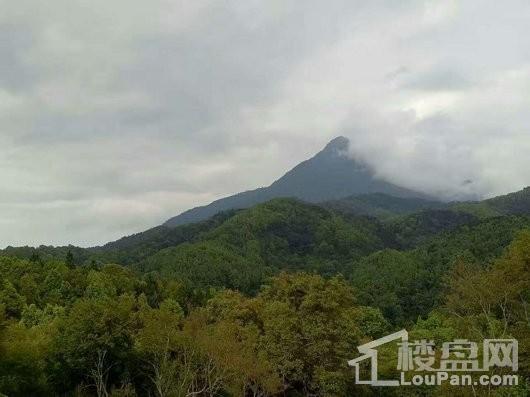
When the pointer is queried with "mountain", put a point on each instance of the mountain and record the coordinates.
(330, 174)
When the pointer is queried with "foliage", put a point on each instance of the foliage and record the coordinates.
(279, 235)
(396, 283)
(267, 301)
(382, 206)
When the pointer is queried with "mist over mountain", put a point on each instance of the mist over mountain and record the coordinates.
(331, 174)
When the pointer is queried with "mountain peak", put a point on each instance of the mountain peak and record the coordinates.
(338, 144)
(328, 175)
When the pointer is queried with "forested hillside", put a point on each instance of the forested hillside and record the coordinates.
(380, 205)
(266, 301)
(512, 203)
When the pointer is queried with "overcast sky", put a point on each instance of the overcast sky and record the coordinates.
(118, 114)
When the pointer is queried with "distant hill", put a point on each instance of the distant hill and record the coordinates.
(381, 205)
(407, 222)
(413, 229)
(415, 220)
(281, 234)
(515, 203)
(330, 174)
(512, 203)
(136, 247)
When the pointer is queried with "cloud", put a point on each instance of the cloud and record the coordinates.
(437, 80)
(115, 116)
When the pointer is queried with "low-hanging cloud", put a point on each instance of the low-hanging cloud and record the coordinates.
(115, 116)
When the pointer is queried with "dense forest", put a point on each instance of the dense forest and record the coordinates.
(272, 300)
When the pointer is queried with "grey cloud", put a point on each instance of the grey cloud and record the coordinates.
(436, 80)
(14, 73)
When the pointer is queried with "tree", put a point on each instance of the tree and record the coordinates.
(69, 259)
(94, 342)
(397, 283)
(303, 326)
(494, 302)
(11, 300)
(310, 330)
(23, 359)
(157, 342)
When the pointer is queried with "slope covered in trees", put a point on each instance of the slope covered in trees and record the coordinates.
(283, 234)
(382, 206)
(509, 204)
(105, 330)
(267, 301)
